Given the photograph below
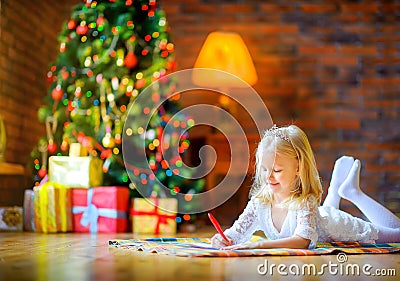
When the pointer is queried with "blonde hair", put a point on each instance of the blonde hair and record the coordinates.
(289, 142)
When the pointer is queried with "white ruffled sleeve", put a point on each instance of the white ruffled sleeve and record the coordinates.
(306, 223)
(247, 223)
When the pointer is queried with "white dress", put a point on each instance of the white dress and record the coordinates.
(323, 224)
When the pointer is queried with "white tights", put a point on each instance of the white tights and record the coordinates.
(345, 183)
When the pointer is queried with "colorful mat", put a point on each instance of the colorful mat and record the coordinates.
(201, 247)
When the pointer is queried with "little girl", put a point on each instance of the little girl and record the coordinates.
(286, 195)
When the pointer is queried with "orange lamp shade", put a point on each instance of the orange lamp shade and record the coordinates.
(224, 51)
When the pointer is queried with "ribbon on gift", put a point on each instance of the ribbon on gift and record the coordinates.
(161, 218)
(91, 213)
(44, 202)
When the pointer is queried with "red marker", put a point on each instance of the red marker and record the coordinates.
(217, 226)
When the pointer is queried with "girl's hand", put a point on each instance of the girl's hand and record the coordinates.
(218, 242)
(242, 246)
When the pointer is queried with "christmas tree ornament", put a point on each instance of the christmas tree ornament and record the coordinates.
(62, 47)
(49, 77)
(71, 24)
(51, 147)
(57, 93)
(64, 75)
(64, 145)
(82, 29)
(131, 60)
(140, 83)
(100, 21)
(51, 128)
(78, 92)
(42, 172)
(44, 156)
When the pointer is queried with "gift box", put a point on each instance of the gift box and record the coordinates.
(52, 203)
(100, 209)
(11, 219)
(81, 172)
(29, 210)
(154, 215)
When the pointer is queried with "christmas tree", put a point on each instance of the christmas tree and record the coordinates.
(109, 52)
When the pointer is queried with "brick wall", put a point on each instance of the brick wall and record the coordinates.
(28, 43)
(332, 67)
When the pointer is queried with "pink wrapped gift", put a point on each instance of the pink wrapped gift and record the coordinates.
(100, 209)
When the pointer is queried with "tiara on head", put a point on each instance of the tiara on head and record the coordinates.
(277, 132)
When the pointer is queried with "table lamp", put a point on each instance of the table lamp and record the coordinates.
(224, 51)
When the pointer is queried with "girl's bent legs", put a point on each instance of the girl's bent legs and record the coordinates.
(339, 174)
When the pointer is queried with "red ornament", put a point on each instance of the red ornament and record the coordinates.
(71, 24)
(100, 21)
(140, 83)
(64, 146)
(57, 93)
(82, 29)
(51, 147)
(49, 77)
(131, 60)
(106, 154)
(42, 172)
(65, 75)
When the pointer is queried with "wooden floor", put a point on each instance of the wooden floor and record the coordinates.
(73, 257)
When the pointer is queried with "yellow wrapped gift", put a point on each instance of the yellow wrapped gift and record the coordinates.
(52, 204)
(82, 172)
(154, 215)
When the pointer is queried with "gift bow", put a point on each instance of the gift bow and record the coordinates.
(161, 218)
(91, 213)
